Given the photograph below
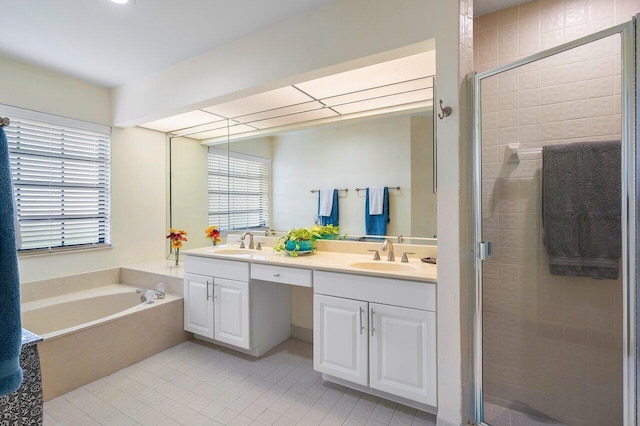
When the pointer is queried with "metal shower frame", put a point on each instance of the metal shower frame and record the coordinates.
(630, 40)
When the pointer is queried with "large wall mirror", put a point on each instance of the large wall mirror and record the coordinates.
(371, 126)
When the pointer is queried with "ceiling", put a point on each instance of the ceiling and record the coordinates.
(398, 85)
(111, 45)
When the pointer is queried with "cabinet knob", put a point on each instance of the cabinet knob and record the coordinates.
(276, 275)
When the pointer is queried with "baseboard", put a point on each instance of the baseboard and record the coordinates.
(301, 333)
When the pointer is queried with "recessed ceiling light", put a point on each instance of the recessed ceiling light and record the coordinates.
(120, 1)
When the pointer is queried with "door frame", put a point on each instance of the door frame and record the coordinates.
(629, 168)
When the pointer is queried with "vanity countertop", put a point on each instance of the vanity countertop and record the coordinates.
(325, 261)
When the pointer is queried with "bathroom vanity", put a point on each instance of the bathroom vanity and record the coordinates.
(374, 322)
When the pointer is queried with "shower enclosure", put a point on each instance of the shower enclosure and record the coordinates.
(551, 349)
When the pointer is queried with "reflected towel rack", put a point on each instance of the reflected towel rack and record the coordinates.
(512, 152)
(395, 188)
(4, 121)
(313, 191)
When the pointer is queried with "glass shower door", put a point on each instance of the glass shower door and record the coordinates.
(552, 341)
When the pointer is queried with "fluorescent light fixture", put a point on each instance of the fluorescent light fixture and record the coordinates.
(182, 121)
(391, 72)
(379, 92)
(280, 112)
(120, 1)
(404, 83)
(273, 99)
(294, 118)
(388, 101)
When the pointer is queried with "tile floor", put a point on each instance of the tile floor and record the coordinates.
(496, 415)
(196, 383)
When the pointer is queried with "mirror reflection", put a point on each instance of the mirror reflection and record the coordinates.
(259, 162)
(266, 182)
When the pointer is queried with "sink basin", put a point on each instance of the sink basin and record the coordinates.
(383, 266)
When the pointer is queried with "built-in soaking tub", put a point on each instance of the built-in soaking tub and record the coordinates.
(93, 333)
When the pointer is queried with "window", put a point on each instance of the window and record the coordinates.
(238, 188)
(61, 171)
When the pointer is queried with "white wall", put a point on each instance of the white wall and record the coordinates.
(356, 155)
(189, 190)
(30, 87)
(138, 172)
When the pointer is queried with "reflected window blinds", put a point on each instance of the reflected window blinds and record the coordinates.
(61, 171)
(238, 190)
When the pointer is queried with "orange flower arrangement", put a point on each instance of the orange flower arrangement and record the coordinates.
(214, 233)
(177, 236)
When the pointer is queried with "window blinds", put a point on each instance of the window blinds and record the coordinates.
(238, 187)
(61, 171)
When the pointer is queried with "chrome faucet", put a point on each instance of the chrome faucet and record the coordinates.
(159, 294)
(251, 245)
(388, 244)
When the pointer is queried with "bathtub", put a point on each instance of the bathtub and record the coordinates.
(61, 315)
(93, 333)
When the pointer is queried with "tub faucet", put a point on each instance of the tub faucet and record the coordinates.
(251, 246)
(388, 244)
(159, 294)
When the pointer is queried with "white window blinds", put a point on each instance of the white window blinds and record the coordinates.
(61, 171)
(238, 187)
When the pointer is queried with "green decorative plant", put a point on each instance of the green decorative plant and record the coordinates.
(328, 232)
(300, 239)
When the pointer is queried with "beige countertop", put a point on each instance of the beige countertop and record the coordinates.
(326, 261)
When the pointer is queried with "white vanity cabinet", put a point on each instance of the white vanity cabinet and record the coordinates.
(224, 305)
(231, 307)
(198, 308)
(378, 333)
(340, 342)
(216, 300)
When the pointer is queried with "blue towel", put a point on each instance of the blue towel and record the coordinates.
(333, 218)
(377, 224)
(11, 331)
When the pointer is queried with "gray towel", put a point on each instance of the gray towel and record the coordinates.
(581, 208)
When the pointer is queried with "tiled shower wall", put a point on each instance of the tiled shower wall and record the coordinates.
(552, 345)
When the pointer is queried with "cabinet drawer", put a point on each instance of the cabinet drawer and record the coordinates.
(282, 274)
(411, 294)
(228, 269)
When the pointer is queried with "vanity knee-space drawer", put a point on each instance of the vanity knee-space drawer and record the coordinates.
(282, 274)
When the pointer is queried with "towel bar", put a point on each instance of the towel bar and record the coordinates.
(512, 152)
(313, 191)
(395, 188)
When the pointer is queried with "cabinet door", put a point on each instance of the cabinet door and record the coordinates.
(231, 300)
(402, 354)
(198, 306)
(340, 338)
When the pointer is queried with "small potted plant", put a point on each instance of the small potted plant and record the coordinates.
(177, 236)
(213, 233)
(327, 232)
(297, 241)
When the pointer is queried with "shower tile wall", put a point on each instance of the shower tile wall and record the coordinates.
(552, 345)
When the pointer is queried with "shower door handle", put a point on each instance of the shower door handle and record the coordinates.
(484, 250)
